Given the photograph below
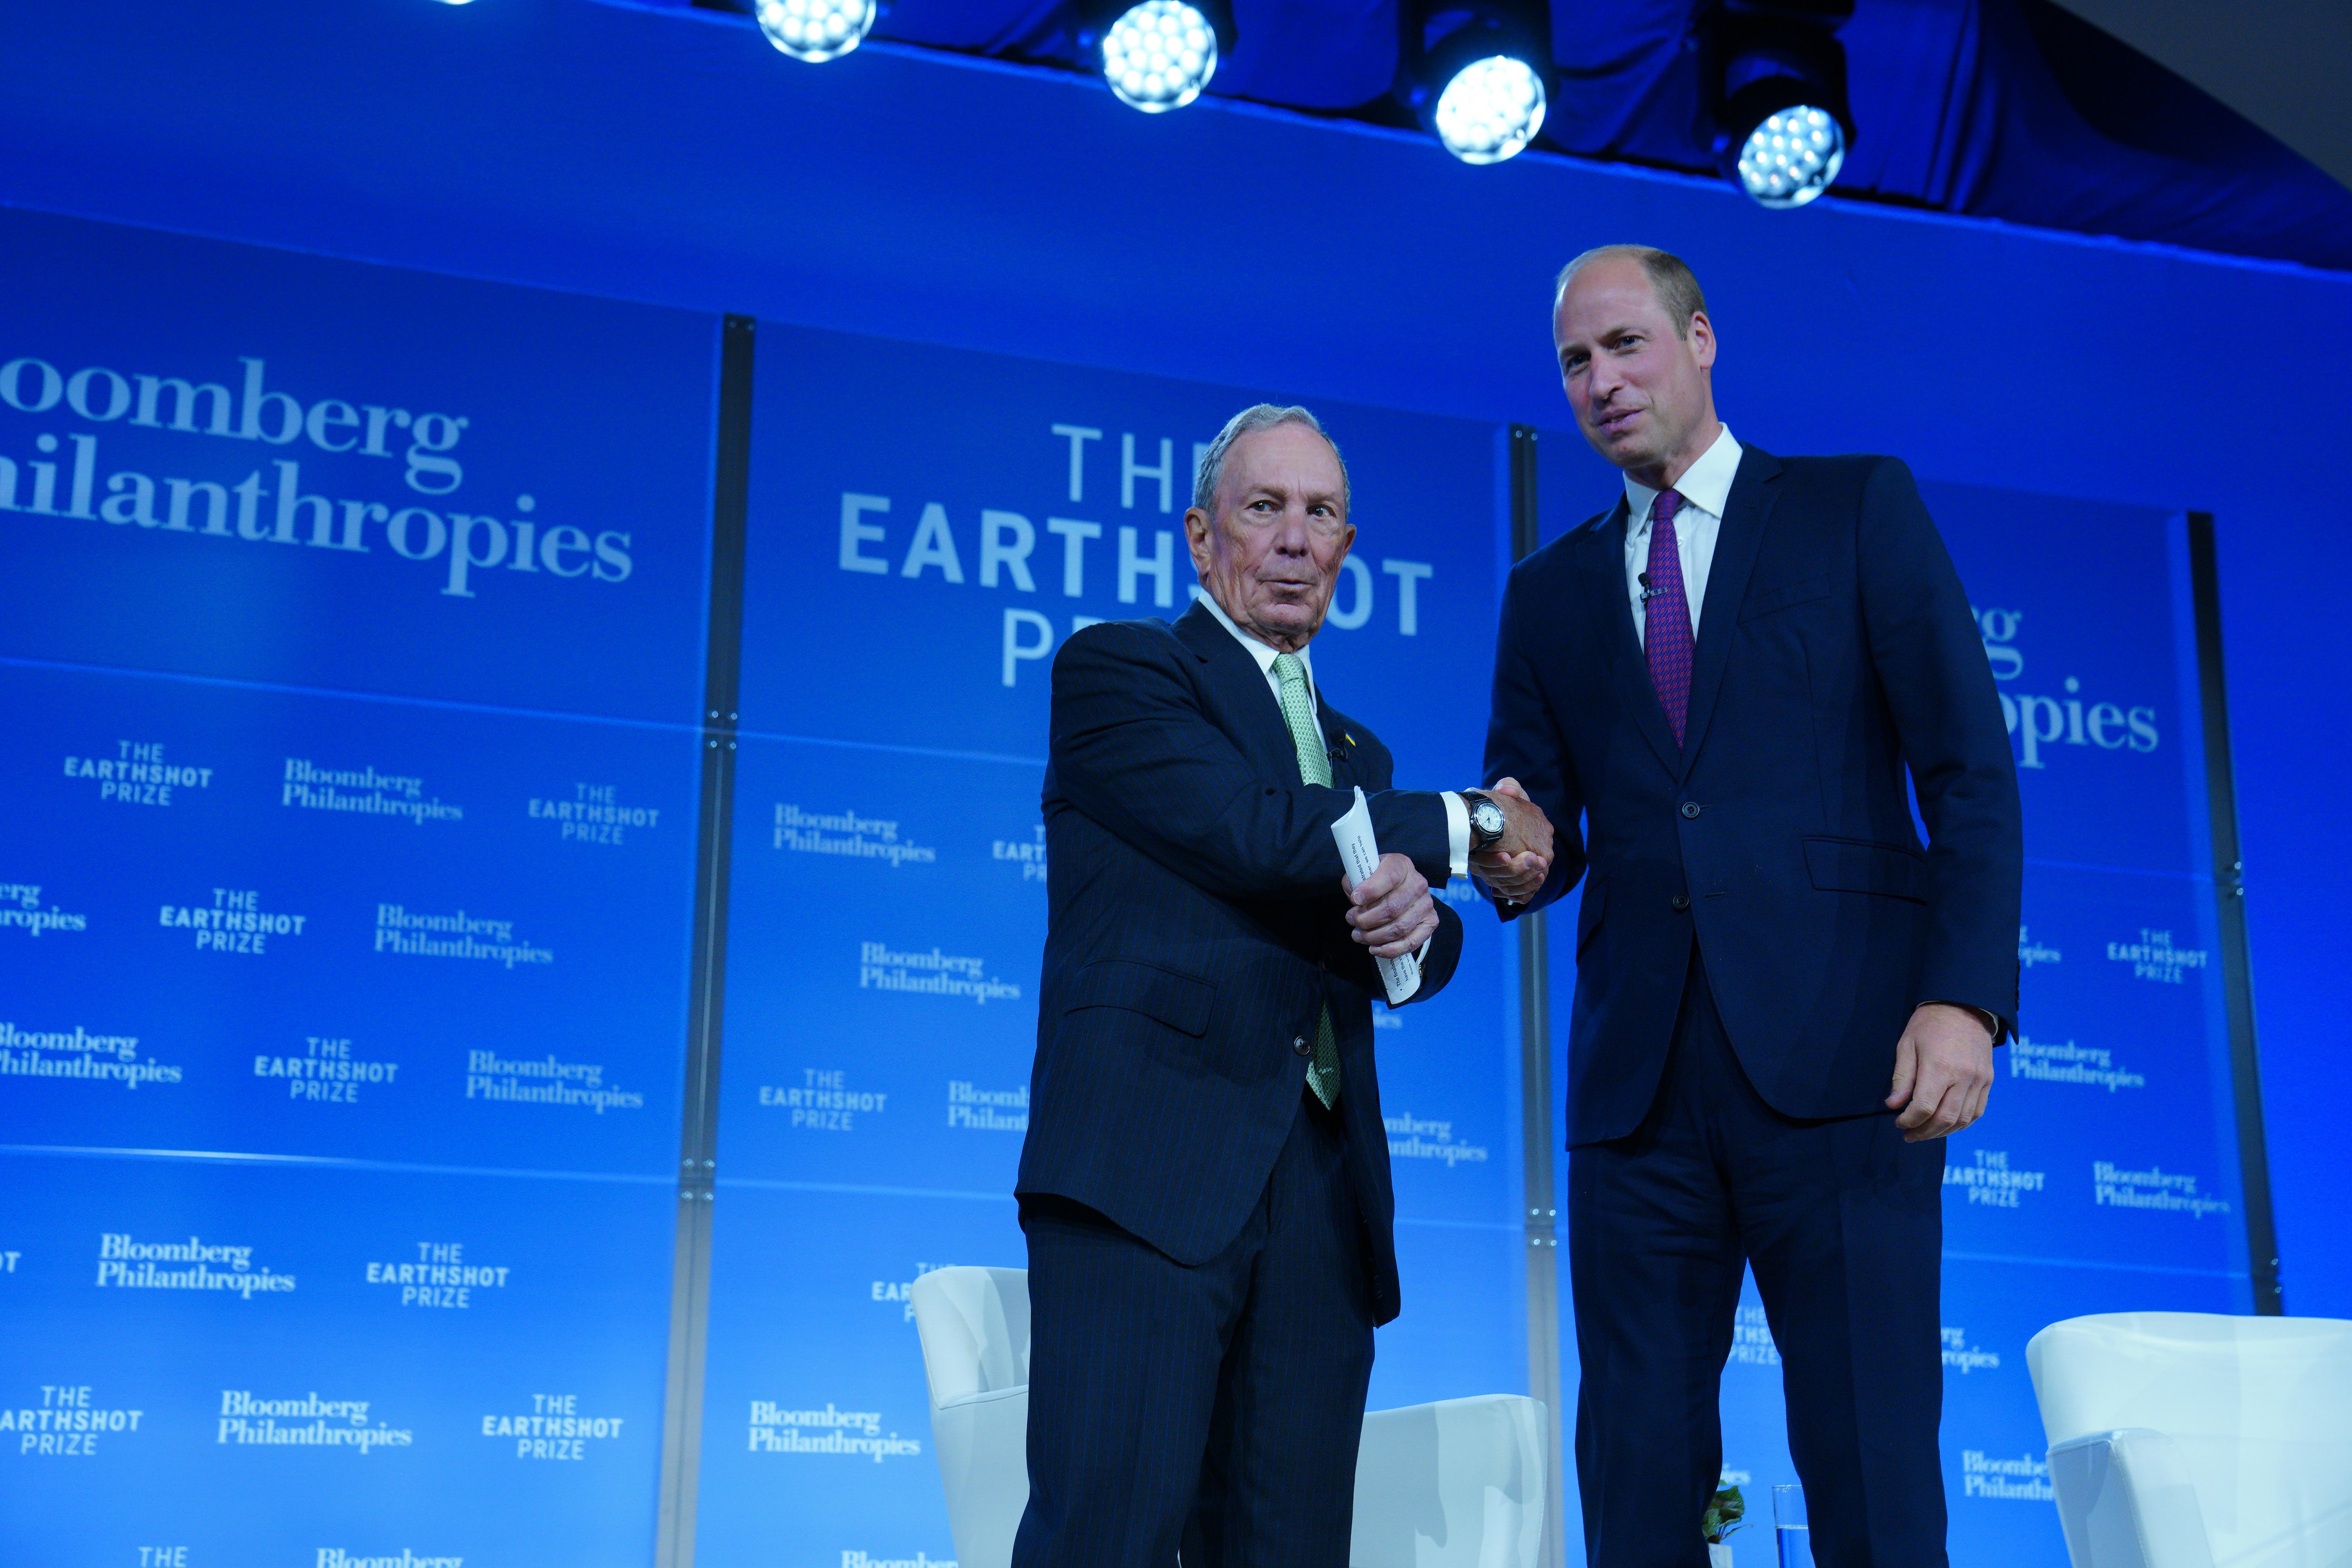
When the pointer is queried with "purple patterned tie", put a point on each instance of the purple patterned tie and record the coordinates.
(1665, 615)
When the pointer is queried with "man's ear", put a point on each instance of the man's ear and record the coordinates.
(1197, 526)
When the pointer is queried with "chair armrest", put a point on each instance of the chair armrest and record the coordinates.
(2125, 1501)
(981, 1442)
(1457, 1484)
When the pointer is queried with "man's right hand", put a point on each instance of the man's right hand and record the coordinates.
(1518, 863)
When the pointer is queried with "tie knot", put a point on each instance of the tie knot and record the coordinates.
(1288, 670)
(1663, 510)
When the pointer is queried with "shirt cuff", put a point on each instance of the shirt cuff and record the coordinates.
(1457, 833)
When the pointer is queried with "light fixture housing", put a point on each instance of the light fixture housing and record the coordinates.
(1777, 85)
(1490, 110)
(1791, 156)
(815, 30)
(1158, 55)
(1478, 76)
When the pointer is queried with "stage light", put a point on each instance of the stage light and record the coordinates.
(1776, 76)
(1476, 74)
(1792, 157)
(1157, 56)
(815, 30)
(1490, 110)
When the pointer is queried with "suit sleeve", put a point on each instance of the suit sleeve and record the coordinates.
(1524, 742)
(1133, 749)
(1931, 665)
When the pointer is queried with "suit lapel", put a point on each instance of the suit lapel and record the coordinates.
(1338, 743)
(1737, 542)
(1264, 736)
(1604, 575)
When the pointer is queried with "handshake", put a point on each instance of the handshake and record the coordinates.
(1393, 911)
(1517, 864)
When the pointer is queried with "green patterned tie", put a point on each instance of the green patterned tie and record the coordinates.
(1315, 768)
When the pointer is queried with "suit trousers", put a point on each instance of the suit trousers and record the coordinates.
(1843, 1222)
(1216, 1408)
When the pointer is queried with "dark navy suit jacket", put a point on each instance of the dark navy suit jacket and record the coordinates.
(1836, 649)
(1195, 930)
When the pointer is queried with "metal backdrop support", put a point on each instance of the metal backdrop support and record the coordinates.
(2230, 893)
(1535, 1104)
(689, 1311)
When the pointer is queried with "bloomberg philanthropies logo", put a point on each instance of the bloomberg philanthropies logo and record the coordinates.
(881, 967)
(276, 510)
(776, 1430)
(2042, 724)
(95, 1058)
(312, 1423)
(453, 936)
(129, 1264)
(361, 790)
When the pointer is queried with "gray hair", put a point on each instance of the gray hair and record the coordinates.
(1258, 417)
(1671, 280)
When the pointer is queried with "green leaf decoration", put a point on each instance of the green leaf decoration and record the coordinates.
(1724, 1513)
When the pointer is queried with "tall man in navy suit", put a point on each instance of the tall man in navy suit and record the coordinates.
(1205, 1184)
(1783, 1001)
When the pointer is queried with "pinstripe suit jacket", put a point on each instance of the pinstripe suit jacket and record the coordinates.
(1195, 930)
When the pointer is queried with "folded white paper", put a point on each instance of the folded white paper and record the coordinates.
(1359, 853)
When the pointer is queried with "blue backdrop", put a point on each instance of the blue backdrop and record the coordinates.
(352, 858)
(674, 157)
(342, 1051)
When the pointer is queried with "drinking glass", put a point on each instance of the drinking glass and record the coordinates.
(1795, 1536)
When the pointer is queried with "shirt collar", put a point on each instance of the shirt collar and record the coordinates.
(1705, 484)
(1261, 652)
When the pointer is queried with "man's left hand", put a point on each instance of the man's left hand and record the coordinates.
(1391, 909)
(1943, 1069)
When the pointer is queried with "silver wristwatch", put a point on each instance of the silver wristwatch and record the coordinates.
(1485, 819)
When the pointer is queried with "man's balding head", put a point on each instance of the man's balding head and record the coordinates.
(1670, 276)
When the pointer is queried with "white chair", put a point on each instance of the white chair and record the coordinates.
(2189, 1440)
(1457, 1484)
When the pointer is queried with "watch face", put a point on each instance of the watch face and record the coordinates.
(1488, 818)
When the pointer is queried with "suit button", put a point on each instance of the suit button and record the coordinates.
(1680, 900)
(1690, 808)
(1298, 1047)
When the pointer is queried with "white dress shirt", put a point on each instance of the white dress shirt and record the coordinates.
(1706, 488)
(1457, 814)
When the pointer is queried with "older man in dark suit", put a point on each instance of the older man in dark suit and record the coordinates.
(1738, 675)
(1205, 1184)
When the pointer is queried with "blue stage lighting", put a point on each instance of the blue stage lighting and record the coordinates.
(1490, 110)
(1158, 55)
(815, 30)
(1775, 74)
(1476, 73)
(1791, 156)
